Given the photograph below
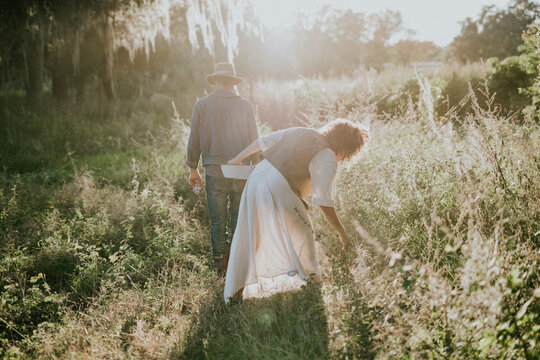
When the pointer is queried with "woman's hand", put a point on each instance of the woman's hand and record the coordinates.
(235, 161)
(345, 241)
(330, 215)
(250, 150)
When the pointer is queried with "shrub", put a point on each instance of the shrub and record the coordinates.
(531, 47)
(25, 300)
(515, 80)
(507, 78)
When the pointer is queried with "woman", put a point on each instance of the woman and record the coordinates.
(273, 247)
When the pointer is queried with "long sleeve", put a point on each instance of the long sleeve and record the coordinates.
(193, 148)
(322, 169)
(253, 134)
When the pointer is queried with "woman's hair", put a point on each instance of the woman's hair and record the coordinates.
(345, 137)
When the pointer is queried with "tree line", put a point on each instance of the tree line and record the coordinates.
(496, 32)
(66, 44)
(122, 47)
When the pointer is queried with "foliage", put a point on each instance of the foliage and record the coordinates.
(446, 290)
(515, 79)
(407, 51)
(386, 24)
(331, 43)
(88, 239)
(112, 258)
(72, 43)
(508, 77)
(105, 248)
(532, 49)
(496, 33)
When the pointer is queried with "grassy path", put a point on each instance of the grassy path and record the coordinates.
(325, 319)
(110, 258)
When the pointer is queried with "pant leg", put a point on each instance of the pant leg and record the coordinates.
(216, 195)
(235, 194)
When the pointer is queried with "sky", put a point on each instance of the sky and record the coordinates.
(432, 20)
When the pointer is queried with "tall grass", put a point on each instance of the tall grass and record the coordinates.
(113, 260)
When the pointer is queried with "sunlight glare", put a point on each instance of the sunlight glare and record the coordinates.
(421, 16)
(280, 14)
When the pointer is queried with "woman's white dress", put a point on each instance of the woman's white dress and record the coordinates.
(273, 247)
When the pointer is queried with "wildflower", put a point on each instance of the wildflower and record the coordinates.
(394, 256)
(51, 207)
(407, 268)
(40, 275)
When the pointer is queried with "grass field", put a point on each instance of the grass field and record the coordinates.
(106, 250)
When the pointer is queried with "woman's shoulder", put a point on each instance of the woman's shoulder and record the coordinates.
(278, 134)
(301, 132)
(324, 163)
(326, 155)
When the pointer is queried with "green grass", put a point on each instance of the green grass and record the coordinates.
(285, 326)
(106, 251)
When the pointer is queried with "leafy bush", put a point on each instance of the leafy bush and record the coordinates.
(26, 300)
(532, 48)
(515, 79)
(456, 92)
(508, 77)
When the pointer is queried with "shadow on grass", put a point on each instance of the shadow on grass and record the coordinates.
(290, 325)
(347, 311)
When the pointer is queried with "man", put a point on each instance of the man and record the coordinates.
(223, 124)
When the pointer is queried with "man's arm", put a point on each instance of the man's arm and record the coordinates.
(330, 215)
(194, 150)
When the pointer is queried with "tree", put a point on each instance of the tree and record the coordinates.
(405, 51)
(515, 80)
(496, 33)
(384, 25)
(531, 50)
(22, 25)
(466, 46)
(338, 41)
(53, 34)
(331, 42)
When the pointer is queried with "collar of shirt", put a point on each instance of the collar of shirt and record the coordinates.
(224, 93)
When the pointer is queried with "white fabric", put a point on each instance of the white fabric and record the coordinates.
(322, 169)
(273, 247)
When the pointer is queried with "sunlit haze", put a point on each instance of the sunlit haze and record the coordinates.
(431, 20)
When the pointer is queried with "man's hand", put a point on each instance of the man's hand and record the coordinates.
(194, 177)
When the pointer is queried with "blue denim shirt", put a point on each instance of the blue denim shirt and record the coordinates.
(223, 124)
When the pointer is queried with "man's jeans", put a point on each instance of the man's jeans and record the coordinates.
(223, 196)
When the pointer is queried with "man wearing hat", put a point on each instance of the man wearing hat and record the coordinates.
(223, 124)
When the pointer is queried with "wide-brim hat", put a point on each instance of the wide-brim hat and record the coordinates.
(223, 71)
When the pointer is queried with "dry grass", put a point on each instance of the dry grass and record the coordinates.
(444, 218)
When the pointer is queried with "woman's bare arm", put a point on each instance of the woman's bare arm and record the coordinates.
(330, 215)
(251, 149)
